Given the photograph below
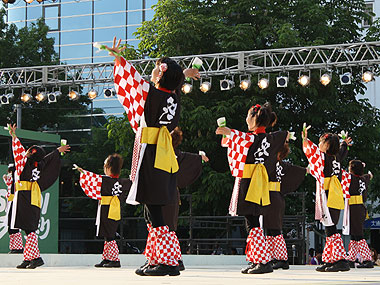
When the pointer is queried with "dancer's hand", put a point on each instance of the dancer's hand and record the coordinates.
(64, 148)
(12, 130)
(192, 73)
(204, 158)
(348, 141)
(115, 49)
(304, 131)
(223, 131)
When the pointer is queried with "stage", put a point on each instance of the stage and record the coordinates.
(56, 273)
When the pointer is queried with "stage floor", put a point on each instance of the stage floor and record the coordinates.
(222, 274)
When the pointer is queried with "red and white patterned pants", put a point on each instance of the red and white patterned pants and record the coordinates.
(31, 250)
(257, 248)
(15, 241)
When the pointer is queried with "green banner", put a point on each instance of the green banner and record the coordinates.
(48, 226)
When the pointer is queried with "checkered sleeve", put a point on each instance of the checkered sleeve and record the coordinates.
(238, 146)
(8, 181)
(91, 184)
(314, 156)
(19, 155)
(132, 90)
(346, 182)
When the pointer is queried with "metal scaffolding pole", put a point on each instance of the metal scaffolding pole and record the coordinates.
(324, 57)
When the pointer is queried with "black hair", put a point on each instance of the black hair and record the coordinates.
(35, 153)
(333, 141)
(114, 163)
(265, 117)
(173, 77)
(356, 167)
(283, 152)
(176, 137)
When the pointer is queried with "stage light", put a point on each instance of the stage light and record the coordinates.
(29, 1)
(226, 84)
(304, 80)
(92, 94)
(205, 86)
(187, 88)
(73, 95)
(9, 1)
(325, 79)
(4, 99)
(41, 96)
(109, 92)
(282, 81)
(52, 97)
(263, 83)
(245, 84)
(26, 97)
(367, 76)
(345, 78)
(40, 1)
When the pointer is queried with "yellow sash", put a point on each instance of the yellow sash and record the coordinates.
(114, 210)
(11, 197)
(274, 186)
(356, 200)
(35, 191)
(165, 156)
(335, 198)
(258, 190)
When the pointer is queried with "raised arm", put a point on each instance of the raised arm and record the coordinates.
(91, 184)
(19, 153)
(314, 156)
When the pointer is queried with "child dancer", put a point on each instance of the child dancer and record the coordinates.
(15, 237)
(35, 172)
(153, 112)
(284, 180)
(357, 183)
(325, 165)
(109, 190)
(252, 157)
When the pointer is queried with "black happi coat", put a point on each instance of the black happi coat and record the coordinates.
(358, 186)
(46, 173)
(332, 167)
(108, 227)
(155, 186)
(190, 168)
(290, 176)
(276, 141)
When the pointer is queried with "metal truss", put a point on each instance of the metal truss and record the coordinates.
(324, 57)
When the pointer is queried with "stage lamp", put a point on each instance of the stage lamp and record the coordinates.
(325, 79)
(187, 88)
(4, 99)
(282, 81)
(304, 80)
(40, 1)
(92, 94)
(245, 84)
(9, 1)
(367, 76)
(205, 86)
(109, 92)
(29, 1)
(345, 78)
(263, 83)
(41, 96)
(52, 97)
(73, 95)
(226, 84)
(26, 97)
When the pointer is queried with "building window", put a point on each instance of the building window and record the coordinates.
(51, 14)
(368, 10)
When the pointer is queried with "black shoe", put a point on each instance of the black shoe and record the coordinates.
(341, 265)
(261, 268)
(323, 267)
(102, 263)
(162, 270)
(351, 264)
(140, 270)
(35, 263)
(112, 264)
(284, 264)
(16, 251)
(181, 266)
(249, 267)
(366, 264)
(24, 264)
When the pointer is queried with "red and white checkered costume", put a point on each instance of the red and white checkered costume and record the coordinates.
(257, 249)
(91, 184)
(110, 251)
(280, 252)
(334, 249)
(8, 180)
(166, 246)
(346, 182)
(31, 250)
(270, 244)
(150, 250)
(105, 251)
(353, 250)
(364, 250)
(19, 155)
(15, 241)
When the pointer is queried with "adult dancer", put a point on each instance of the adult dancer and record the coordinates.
(252, 157)
(325, 165)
